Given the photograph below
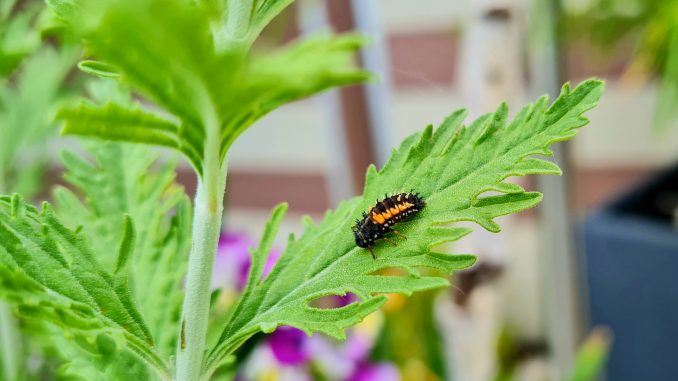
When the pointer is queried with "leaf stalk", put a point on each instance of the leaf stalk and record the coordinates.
(11, 344)
(206, 230)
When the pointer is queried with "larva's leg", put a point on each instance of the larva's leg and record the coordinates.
(392, 242)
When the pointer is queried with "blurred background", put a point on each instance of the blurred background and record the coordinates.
(601, 251)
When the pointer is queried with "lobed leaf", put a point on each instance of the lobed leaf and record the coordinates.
(452, 167)
(302, 69)
(25, 106)
(18, 36)
(50, 272)
(262, 13)
(122, 123)
(173, 57)
(120, 183)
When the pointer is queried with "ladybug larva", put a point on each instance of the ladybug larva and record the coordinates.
(381, 218)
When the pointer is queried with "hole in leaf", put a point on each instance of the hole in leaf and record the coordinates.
(334, 301)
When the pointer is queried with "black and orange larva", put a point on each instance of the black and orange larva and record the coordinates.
(381, 218)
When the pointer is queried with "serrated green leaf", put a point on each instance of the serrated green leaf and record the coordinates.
(18, 38)
(262, 13)
(115, 366)
(173, 57)
(302, 69)
(531, 165)
(123, 179)
(240, 22)
(260, 255)
(451, 167)
(116, 122)
(121, 123)
(26, 106)
(50, 272)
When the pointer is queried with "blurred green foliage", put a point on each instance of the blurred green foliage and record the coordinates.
(410, 337)
(90, 326)
(651, 26)
(592, 356)
(32, 81)
(589, 362)
(18, 38)
(27, 106)
(32, 78)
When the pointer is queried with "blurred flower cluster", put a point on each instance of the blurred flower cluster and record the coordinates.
(288, 353)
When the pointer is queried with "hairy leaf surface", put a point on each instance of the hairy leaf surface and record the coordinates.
(125, 179)
(122, 181)
(453, 167)
(50, 272)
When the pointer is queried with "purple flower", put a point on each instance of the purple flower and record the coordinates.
(233, 261)
(356, 347)
(289, 345)
(272, 259)
(382, 371)
(344, 300)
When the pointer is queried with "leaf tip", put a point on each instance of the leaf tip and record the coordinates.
(47, 209)
(98, 69)
(267, 327)
(502, 110)
(278, 213)
(18, 207)
(469, 260)
(370, 174)
(126, 244)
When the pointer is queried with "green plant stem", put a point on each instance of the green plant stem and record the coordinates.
(10, 340)
(206, 229)
(3, 177)
(11, 344)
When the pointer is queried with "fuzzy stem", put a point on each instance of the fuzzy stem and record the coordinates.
(10, 338)
(11, 344)
(206, 229)
(3, 177)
